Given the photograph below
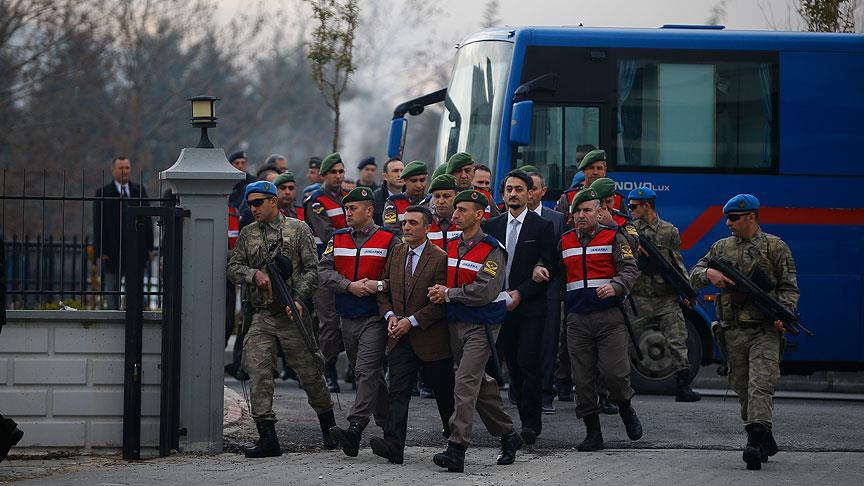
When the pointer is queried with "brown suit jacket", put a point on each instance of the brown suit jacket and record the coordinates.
(431, 339)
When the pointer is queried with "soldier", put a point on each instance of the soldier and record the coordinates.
(442, 230)
(287, 188)
(267, 329)
(593, 166)
(751, 342)
(414, 176)
(461, 166)
(656, 302)
(325, 214)
(352, 266)
(476, 307)
(600, 269)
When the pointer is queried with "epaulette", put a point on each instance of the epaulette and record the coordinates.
(343, 230)
(494, 242)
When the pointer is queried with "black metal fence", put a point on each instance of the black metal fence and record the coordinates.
(63, 240)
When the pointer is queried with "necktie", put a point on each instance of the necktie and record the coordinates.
(512, 236)
(123, 192)
(409, 268)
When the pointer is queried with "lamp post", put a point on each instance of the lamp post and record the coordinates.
(204, 117)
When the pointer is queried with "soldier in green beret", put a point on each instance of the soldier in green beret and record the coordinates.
(414, 176)
(593, 166)
(287, 188)
(461, 166)
(356, 278)
(440, 170)
(442, 192)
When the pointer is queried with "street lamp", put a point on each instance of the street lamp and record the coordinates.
(204, 117)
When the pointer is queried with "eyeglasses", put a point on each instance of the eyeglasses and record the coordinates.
(257, 202)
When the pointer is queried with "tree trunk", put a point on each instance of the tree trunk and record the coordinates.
(336, 125)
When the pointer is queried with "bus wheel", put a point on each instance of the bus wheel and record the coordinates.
(654, 374)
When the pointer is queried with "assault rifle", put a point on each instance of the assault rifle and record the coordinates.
(760, 298)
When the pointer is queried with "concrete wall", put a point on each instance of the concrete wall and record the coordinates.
(61, 378)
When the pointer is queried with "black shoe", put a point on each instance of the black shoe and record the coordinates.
(453, 458)
(330, 376)
(548, 408)
(593, 434)
(683, 392)
(387, 449)
(510, 443)
(753, 450)
(769, 445)
(348, 438)
(565, 391)
(513, 395)
(268, 443)
(607, 407)
(14, 438)
(426, 392)
(630, 419)
(529, 437)
(327, 421)
(288, 374)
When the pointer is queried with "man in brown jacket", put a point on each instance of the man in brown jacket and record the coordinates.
(418, 336)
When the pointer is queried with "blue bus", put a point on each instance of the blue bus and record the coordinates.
(698, 113)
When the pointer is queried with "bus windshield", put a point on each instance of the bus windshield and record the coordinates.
(472, 108)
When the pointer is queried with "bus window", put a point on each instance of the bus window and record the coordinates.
(560, 136)
(707, 115)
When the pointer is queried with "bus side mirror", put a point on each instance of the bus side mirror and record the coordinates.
(398, 132)
(520, 122)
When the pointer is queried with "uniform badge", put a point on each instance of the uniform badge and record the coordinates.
(363, 193)
(742, 204)
(626, 252)
(329, 248)
(473, 195)
(317, 208)
(390, 217)
(632, 231)
(491, 268)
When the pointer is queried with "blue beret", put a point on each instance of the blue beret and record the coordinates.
(236, 155)
(641, 194)
(261, 187)
(311, 187)
(578, 178)
(742, 203)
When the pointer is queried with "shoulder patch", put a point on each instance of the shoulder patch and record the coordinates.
(626, 252)
(317, 208)
(491, 268)
(329, 248)
(631, 230)
(390, 216)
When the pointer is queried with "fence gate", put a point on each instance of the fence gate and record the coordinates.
(171, 219)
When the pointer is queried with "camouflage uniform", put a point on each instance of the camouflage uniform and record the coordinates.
(259, 346)
(656, 302)
(752, 345)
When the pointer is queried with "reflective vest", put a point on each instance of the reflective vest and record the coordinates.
(332, 208)
(441, 237)
(233, 227)
(571, 194)
(301, 212)
(463, 271)
(358, 263)
(588, 268)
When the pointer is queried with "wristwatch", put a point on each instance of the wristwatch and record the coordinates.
(380, 286)
(447, 295)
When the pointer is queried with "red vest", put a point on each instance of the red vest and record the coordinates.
(487, 213)
(301, 212)
(357, 263)
(233, 227)
(619, 219)
(463, 271)
(588, 268)
(441, 238)
(332, 208)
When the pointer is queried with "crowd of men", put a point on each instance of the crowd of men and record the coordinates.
(426, 277)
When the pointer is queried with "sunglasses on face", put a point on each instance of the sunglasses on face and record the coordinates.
(255, 203)
(735, 217)
(633, 206)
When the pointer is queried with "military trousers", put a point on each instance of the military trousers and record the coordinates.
(365, 339)
(262, 339)
(474, 388)
(599, 350)
(329, 326)
(664, 314)
(753, 355)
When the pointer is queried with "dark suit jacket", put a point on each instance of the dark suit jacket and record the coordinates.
(535, 244)
(559, 225)
(108, 214)
(431, 339)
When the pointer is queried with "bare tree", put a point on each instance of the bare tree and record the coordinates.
(331, 52)
(828, 15)
(490, 14)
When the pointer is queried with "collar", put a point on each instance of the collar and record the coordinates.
(538, 210)
(120, 187)
(520, 218)
(758, 235)
(438, 221)
(276, 222)
(419, 250)
(336, 195)
(364, 231)
(590, 234)
(473, 240)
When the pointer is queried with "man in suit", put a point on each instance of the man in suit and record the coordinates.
(109, 238)
(418, 336)
(554, 293)
(528, 241)
(391, 186)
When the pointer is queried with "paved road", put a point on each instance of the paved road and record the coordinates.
(821, 441)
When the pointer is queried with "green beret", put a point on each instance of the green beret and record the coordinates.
(284, 177)
(329, 161)
(440, 170)
(414, 168)
(443, 182)
(587, 194)
(604, 187)
(459, 160)
(591, 157)
(530, 169)
(359, 194)
(471, 196)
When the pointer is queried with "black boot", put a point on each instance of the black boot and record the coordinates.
(529, 436)
(453, 458)
(753, 450)
(630, 419)
(769, 445)
(388, 449)
(510, 443)
(565, 391)
(10, 435)
(593, 435)
(330, 376)
(683, 392)
(348, 438)
(268, 443)
(607, 407)
(327, 420)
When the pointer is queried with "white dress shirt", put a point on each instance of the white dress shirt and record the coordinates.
(121, 187)
(510, 218)
(539, 210)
